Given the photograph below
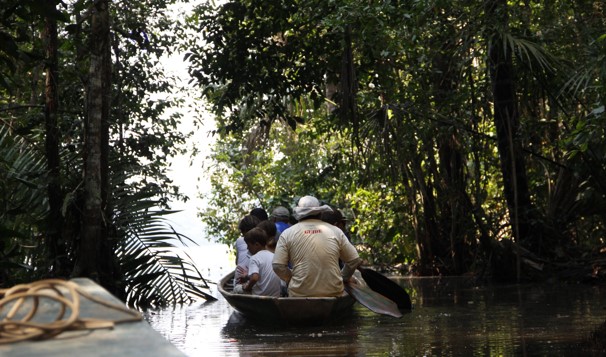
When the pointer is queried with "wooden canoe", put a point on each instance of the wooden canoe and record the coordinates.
(288, 310)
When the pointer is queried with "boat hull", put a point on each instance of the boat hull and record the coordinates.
(289, 310)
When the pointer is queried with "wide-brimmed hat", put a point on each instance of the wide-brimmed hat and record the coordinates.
(309, 206)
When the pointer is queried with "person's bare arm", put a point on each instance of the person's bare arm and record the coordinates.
(349, 268)
(280, 262)
(282, 271)
(252, 280)
(349, 255)
(243, 273)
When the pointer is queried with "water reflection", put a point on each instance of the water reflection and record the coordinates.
(334, 339)
(450, 318)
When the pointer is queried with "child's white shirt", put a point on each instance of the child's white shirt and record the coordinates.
(268, 283)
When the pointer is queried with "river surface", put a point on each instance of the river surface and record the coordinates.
(450, 317)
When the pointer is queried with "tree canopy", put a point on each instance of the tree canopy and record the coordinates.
(87, 129)
(459, 136)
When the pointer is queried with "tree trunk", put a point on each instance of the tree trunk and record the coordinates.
(429, 240)
(94, 247)
(506, 120)
(455, 220)
(349, 88)
(55, 195)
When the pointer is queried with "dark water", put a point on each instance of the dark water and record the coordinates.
(450, 318)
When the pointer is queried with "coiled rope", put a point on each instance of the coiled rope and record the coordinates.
(22, 302)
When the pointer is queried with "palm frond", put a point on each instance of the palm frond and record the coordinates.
(22, 174)
(531, 54)
(154, 274)
(22, 203)
(591, 74)
(581, 80)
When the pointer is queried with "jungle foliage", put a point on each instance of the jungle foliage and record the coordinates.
(87, 127)
(458, 136)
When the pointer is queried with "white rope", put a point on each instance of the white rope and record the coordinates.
(18, 323)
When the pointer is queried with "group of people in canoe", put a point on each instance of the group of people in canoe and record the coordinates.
(312, 257)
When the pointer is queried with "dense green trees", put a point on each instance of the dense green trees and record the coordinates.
(86, 131)
(457, 136)
(461, 136)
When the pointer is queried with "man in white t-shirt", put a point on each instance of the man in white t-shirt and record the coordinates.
(314, 247)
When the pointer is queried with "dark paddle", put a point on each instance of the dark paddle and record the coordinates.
(370, 299)
(386, 287)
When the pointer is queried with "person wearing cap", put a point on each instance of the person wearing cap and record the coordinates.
(281, 217)
(314, 247)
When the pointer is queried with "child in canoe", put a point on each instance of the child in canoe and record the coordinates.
(260, 278)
